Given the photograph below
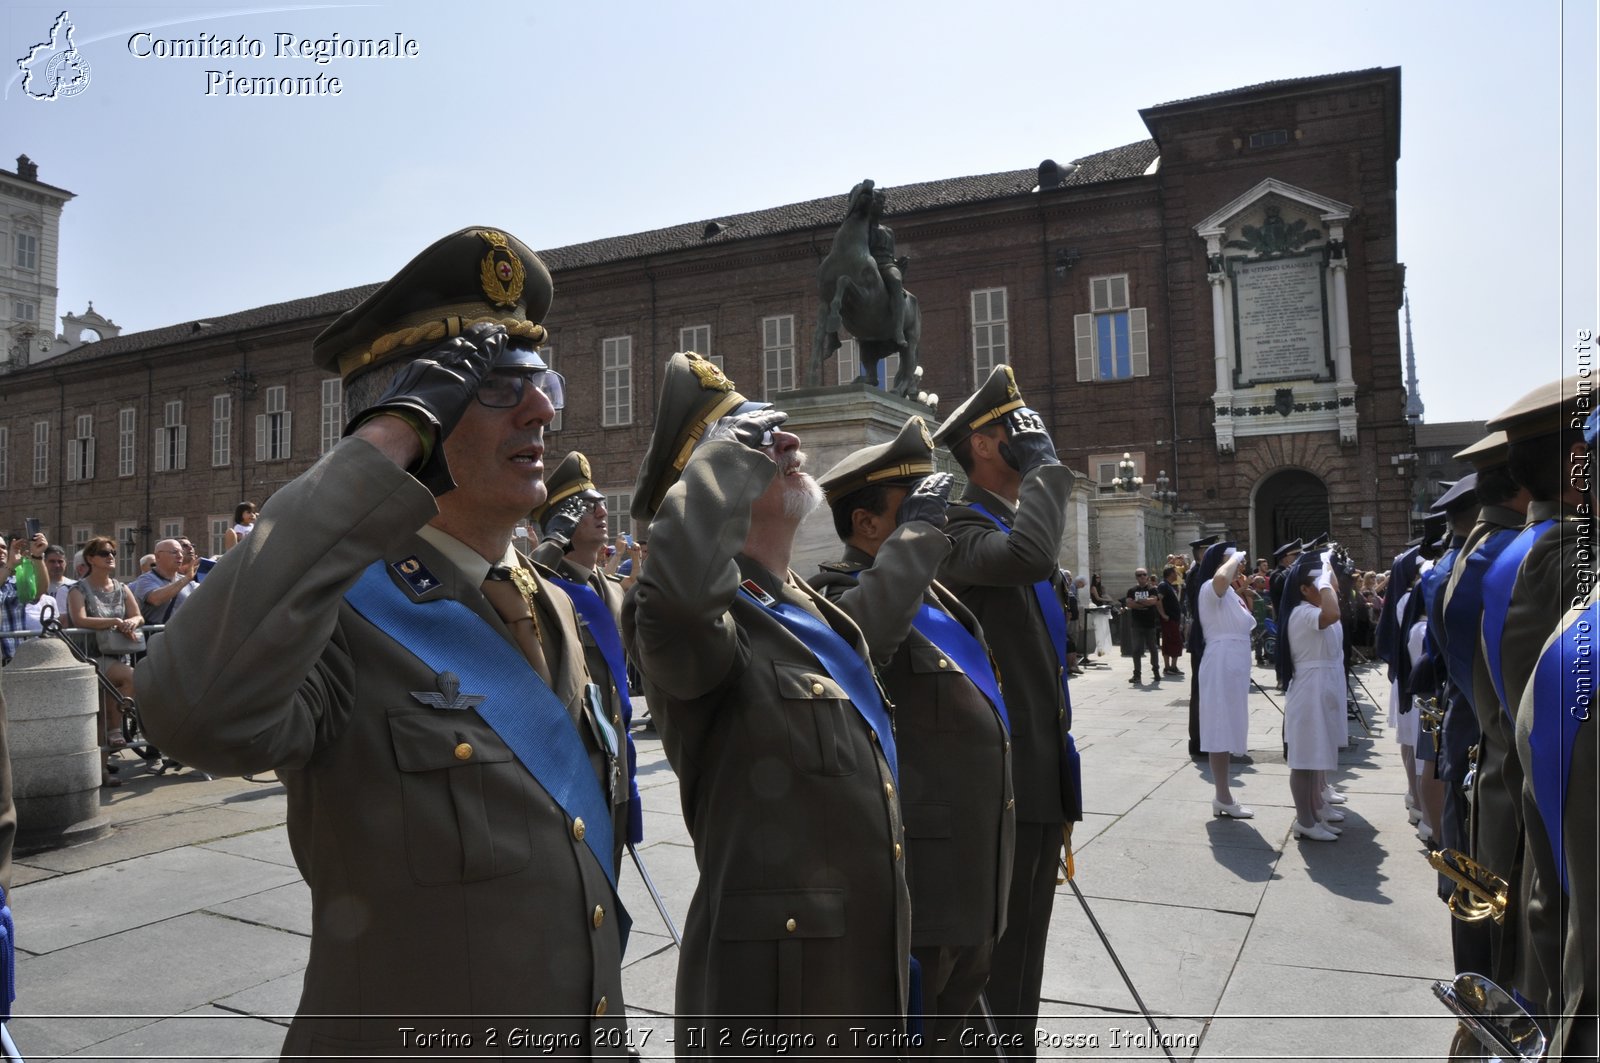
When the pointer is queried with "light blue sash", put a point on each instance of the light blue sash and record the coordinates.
(1055, 623)
(844, 665)
(447, 636)
(1463, 611)
(603, 629)
(1497, 587)
(962, 647)
(1563, 696)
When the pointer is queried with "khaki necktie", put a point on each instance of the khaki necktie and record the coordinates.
(508, 600)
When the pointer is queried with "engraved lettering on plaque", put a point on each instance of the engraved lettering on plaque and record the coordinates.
(1280, 319)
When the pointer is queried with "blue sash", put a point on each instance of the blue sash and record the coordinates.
(844, 665)
(446, 635)
(1055, 623)
(603, 629)
(1463, 610)
(8, 959)
(962, 647)
(1497, 586)
(1563, 691)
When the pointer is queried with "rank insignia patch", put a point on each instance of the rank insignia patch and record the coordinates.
(415, 574)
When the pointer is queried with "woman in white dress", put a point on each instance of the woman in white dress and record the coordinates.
(1315, 701)
(1224, 676)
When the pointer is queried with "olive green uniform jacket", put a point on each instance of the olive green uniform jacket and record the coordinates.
(955, 762)
(444, 879)
(993, 573)
(1563, 940)
(800, 923)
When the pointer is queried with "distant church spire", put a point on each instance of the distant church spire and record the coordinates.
(1413, 399)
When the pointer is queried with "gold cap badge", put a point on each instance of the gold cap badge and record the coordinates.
(501, 272)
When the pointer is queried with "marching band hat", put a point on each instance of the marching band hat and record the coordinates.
(1293, 547)
(694, 396)
(998, 397)
(1545, 410)
(1488, 452)
(905, 459)
(572, 477)
(1463, 494)
(472, 276)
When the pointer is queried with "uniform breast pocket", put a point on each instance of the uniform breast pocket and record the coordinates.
(818, 715)
(464, 798)
(929, 660)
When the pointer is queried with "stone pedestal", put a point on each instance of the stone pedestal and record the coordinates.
(51, 703)
(832, 423)
(1121, 542)
(1074, 553)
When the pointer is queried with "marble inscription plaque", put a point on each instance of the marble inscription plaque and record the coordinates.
(1278, 310)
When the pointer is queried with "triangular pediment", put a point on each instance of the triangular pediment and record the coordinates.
(1329, 210)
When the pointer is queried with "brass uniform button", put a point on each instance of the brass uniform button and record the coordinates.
(599, 916)
(600, 1008)
(897, 850)
(817, 688)
(1008, 745)
(1011, 802)
(578, 829)
(888, 789)
(464, 751)
(789, 926)
(943, 663)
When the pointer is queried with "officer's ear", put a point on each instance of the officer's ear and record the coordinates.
(867, 525)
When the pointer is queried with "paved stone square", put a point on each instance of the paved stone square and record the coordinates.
(185, 932)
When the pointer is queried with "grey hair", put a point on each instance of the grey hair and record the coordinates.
(365, 389)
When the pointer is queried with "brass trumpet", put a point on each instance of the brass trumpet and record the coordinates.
(1479, 894)
(1431, 720)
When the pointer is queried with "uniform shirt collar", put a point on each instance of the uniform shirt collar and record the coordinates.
(467, 561)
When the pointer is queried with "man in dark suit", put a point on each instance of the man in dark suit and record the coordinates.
(767, 707)
(954, 742)
(1006, 532)
(378, 641)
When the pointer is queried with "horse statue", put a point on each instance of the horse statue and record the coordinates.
(860, 285)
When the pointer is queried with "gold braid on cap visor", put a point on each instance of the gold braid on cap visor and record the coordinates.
(905, 470)
(691, 436)
(994, 414)
(390, 343)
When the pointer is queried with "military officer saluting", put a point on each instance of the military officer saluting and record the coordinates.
(377, 640)
(1003, 566)
(572, 547)
(950, 726)
(767, 707)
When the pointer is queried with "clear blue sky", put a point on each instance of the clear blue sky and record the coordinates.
(566, 122)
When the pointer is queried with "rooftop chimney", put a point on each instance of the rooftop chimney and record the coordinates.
(27, 169)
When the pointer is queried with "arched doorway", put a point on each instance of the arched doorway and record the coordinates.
(1289, 504)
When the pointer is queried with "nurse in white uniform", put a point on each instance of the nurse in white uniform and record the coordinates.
(1224, 669)
(1315, 699)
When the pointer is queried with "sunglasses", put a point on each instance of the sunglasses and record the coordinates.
(504, 388)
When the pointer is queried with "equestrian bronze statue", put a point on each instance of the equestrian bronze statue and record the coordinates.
(861, 283)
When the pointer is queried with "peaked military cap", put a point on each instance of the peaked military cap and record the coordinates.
(1317, 543)
(694, 396)
(1463, 494)
(475, 275)
(1294, 546)
(998, 397)
(1544, 411)
(1488, 452)
(572, 477)
(905, 458)
(1202, 542)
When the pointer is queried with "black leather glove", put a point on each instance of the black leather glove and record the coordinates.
(753, 429)
(560, 522)
(927, 501)
(1028, 446)
(432, 392)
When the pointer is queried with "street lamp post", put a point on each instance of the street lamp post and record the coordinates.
(1125, 479)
